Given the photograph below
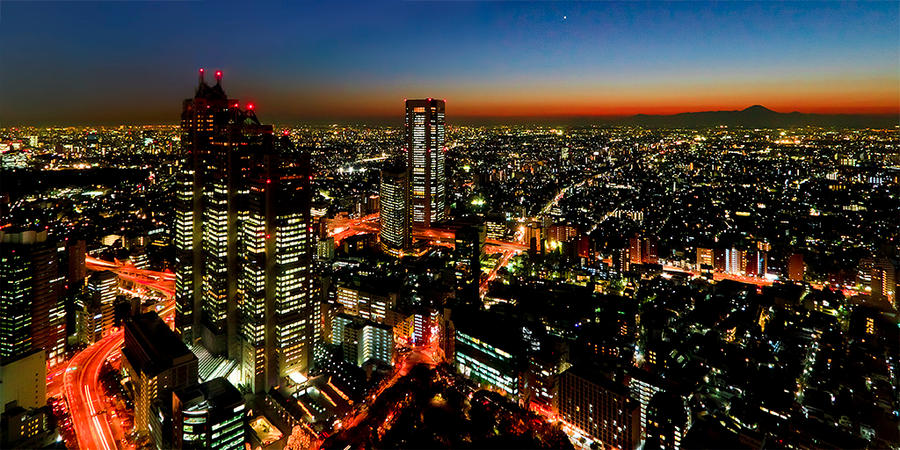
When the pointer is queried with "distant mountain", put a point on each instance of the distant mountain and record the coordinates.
(758, 116)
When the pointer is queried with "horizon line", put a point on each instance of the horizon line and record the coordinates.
(520, 118)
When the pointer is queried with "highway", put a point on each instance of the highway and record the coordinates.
(95, 427)
(84, 394)
(486, 281)
(162, 282)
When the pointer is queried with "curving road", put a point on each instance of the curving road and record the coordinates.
(163, 282)
(85, 395)
(95, 428)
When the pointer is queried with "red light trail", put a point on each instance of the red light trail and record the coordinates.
(162, 282)
(85, 396)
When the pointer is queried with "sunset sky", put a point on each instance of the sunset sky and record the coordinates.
(114, 62)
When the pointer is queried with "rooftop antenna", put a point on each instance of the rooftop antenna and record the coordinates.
(218, 76)
(201, 76)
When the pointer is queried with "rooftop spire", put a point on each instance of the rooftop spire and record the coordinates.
(202, 80)
(218, 76)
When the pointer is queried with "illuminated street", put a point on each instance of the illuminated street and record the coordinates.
(84, 395)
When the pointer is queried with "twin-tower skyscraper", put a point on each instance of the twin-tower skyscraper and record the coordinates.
(243, 233)
(243, 240)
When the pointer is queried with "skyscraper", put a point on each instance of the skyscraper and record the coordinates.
(395, 218)
(468, 243)
(425, 160)
(275, 286)
(102, 287)
(219, 138)
(32, 315)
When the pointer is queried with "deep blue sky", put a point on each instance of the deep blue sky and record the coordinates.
(133, 61)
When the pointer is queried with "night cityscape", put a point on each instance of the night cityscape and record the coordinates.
(586, 225)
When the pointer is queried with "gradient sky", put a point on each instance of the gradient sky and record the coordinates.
(83, 62)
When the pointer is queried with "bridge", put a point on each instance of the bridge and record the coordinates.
(162, 282)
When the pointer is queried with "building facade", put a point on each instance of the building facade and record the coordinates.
(32, 312)
(599, 407)
(211, 415)
(157, 363)
(219, 139)
(275, 290)
(426, 161)
(396, 231)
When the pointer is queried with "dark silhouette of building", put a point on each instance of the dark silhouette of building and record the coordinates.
(157, 363)
(668, 421)
(219, 138)
(468, 243)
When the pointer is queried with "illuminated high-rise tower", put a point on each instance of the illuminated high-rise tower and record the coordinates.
(32, 315)
(395, 226)
(218, 137)
(425, 159)
(276, 257)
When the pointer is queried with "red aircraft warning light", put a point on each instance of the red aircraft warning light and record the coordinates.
(218, 76)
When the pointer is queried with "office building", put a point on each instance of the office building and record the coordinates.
(600, 407)
(882, 283)
(796, 267)
(705, 258)
(489, 353)
(24, 427)
(32, 313)
(157, 363)
(668, 421)
(642, 386)
(425, 161)
(643, 250)
(754, 263)
(275, 289)
(396, 231)
(219, 139)
(76, 251)
(363, 341)
(366, 300)
(325, 248)
(211, 416)
(102, 289)
(468, 243)
(376, 344)
(24, 380)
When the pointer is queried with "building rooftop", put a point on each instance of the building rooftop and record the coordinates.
(218, 392)
(151, 346)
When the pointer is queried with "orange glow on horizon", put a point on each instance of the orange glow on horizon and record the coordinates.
(872, 94)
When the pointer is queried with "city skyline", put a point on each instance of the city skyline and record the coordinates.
(450, 224)
(507, 61)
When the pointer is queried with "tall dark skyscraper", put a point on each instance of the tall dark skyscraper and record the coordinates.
(276, 258)
(32, 316)
(395, 221)
(219, 138)
(425, 160)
